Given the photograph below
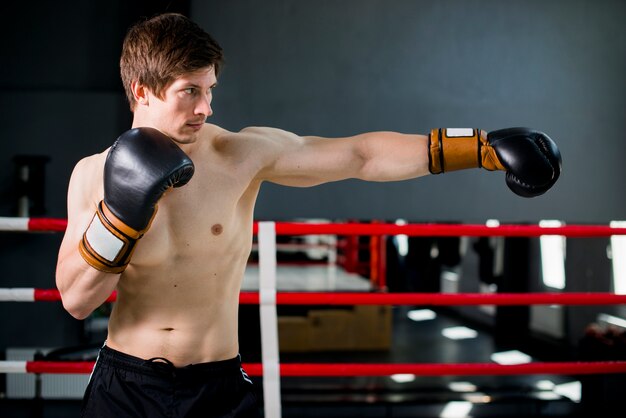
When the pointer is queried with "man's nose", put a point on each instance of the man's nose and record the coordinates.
(203, 107)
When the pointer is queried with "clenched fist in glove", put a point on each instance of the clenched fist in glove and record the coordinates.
(141, 165)
(530, 158)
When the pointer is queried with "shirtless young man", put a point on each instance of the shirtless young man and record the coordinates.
(172, 341)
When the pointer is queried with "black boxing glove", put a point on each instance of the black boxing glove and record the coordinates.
(530, 158)
(141, 165)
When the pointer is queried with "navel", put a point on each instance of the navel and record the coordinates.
(217, 229)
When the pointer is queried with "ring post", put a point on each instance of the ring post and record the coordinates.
(269, 319)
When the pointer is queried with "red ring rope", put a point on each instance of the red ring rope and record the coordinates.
(437, 299)
(442, 230)
(53, 295)
(356, 298)
(361, 369)
(445, 230)
(47, 224)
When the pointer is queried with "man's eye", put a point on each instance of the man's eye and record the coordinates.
(190, 90)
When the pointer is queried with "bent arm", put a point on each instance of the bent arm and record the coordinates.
(82, 287)
(373, 156)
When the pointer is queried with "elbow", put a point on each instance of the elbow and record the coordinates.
(77, 311)
(75, 306)
(79, 314)
(368, 171)
(74, 300)
(373, 170)
(366, 161)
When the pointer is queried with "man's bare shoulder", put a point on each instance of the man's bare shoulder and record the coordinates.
(255, 137)
(87, 176)
(211, 131)
(90, 164)
(266, 133)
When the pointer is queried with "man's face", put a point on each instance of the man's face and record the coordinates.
(185, 105)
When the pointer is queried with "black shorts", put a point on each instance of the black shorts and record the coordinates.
(125, 386)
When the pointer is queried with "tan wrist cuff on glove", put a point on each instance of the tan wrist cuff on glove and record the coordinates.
(108, 243)
(458, 149)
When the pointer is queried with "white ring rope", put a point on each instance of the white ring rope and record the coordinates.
(269, 319)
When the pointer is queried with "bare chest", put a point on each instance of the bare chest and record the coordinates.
(209, 218)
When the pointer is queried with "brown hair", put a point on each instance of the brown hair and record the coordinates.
(158, 50)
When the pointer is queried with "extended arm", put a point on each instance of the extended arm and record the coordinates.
(530, 158)
(306, 161)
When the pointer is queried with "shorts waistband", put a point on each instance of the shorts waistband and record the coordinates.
(162, 366)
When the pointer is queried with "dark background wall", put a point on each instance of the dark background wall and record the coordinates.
(329, 68)
(338, 68)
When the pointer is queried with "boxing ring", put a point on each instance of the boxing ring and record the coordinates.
(268, 298)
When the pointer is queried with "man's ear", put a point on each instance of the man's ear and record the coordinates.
(140, 93)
